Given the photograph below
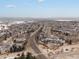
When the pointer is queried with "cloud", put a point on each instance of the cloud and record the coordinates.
(11, 6)
(40, 1)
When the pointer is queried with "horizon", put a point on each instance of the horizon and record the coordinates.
(5, 19)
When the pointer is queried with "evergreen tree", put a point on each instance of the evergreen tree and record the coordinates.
(28, 56)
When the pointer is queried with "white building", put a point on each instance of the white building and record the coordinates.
(3, 26)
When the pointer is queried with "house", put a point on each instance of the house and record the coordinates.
(53, 39)
(5, 47)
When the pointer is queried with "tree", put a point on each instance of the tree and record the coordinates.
(28, 56)
(22, 56)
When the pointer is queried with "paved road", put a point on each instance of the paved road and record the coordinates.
(34, 46)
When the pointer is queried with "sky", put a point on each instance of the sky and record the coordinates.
(39, 8)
